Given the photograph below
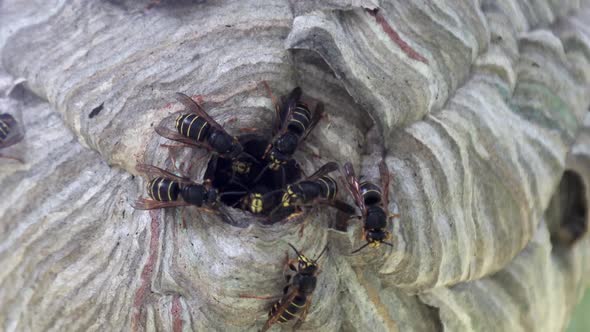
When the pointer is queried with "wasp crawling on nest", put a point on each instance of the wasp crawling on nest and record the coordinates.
(318, 188)
(372, 201)
(301, 276)
(292, 124)
(11, 133)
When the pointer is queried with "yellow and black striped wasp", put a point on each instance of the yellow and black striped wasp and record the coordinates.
(168, 190)
(301, 277)
(372, 201)
(197, 129)
(10, 133)
(297, 294)
(292, 124)
(318, 188)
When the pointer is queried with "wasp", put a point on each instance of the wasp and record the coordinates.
(296, 298)
(10, 133)
(196, 128)
(292, 124)
(317, 188)
(259, 200)
(168, 190)
(372, 200)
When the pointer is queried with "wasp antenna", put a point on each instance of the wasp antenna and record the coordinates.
(361, 248)
(296, 251)
(321, 253)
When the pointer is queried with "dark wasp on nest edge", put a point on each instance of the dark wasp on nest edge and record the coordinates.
(168, 190)
(296, 298)
(318, 188)
(292, 124)
(10, 133)
(197, 129)
(373, 202)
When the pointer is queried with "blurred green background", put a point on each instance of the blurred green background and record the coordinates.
(581, 318)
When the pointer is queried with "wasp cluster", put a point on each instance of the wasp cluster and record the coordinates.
(258, 174)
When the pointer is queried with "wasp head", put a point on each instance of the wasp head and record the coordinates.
(212, 196)
(307, 266)
(241, 167)
(375, 237)
(376, 218)
(277, 159)
(234, 149)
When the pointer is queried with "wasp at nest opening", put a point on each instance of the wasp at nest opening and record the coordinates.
(253, 172)
(262, 194)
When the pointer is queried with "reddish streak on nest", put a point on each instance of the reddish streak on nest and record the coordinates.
(176, 313)
(395, 36)
(146, 274)
(198, 98)
(168, 105)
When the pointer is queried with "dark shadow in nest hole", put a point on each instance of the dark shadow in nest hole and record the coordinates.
(567, 213)
(229, 177)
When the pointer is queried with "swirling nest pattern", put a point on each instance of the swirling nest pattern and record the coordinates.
(480, 106)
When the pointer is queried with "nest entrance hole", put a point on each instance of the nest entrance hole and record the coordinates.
(226, 179)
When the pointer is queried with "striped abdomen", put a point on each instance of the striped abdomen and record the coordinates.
(292, 310)
(300, 119)
(329, 187)
(192, 126)
(7, 122)
(163, 190)
(371, 193)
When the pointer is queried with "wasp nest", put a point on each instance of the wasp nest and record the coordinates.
(477, 107)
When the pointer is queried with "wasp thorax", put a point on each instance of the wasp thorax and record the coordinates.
(224, 144)
(376, 218)
(194, 194)
(307, 282)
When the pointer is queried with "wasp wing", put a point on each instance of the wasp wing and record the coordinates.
(287, 108)
(158, 172)
(340, 205)
(150, 204)
(353, 186)
(193, 107)
(325, 169)
(275, 103)
(315, 118)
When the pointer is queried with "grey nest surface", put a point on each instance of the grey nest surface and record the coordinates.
(479, 109)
